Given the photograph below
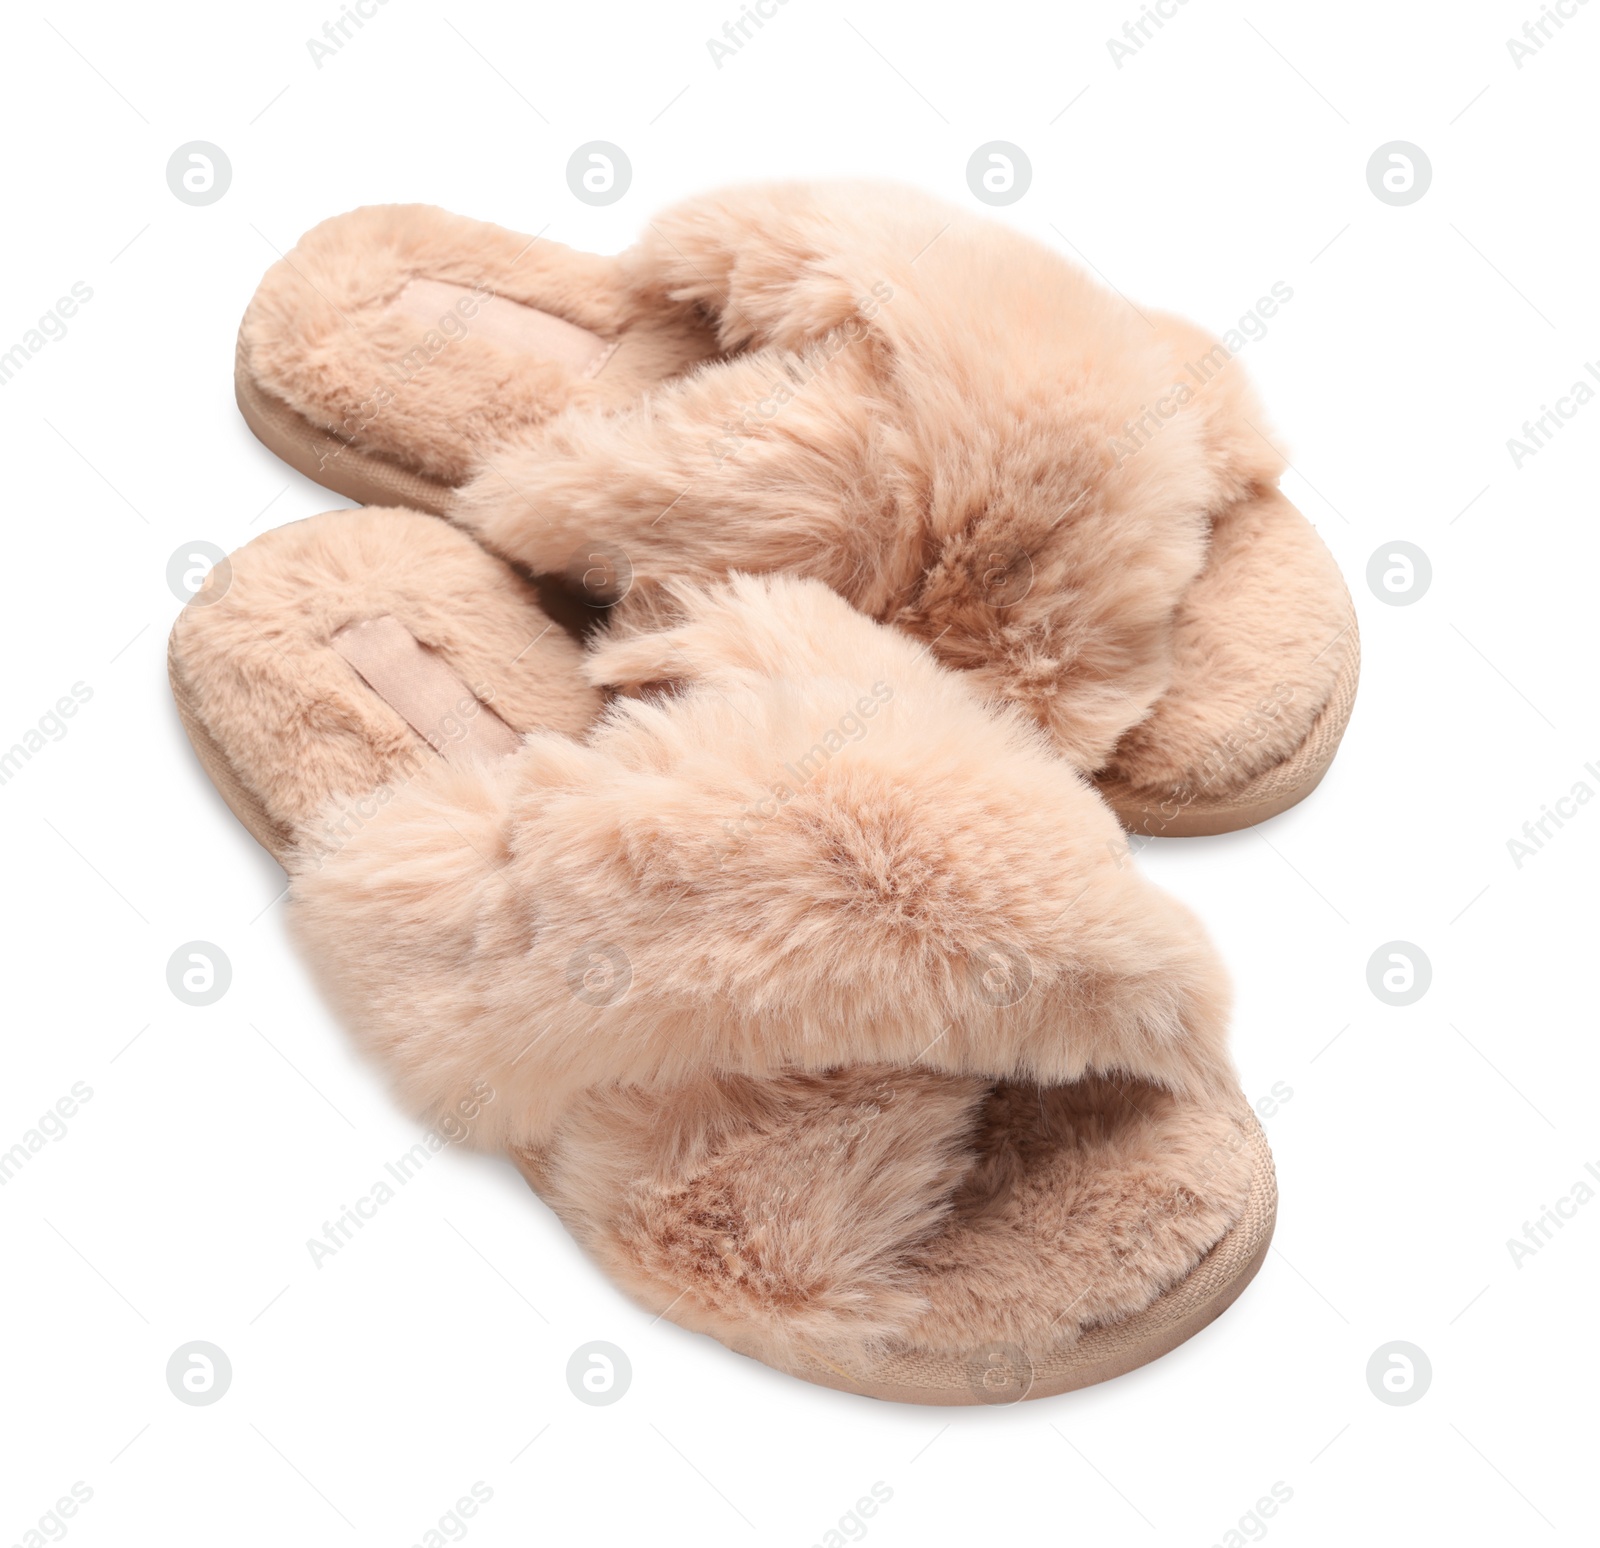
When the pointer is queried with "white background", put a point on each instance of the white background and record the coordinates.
(367, 1396)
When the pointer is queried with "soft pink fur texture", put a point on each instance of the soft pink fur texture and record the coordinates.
(806, 1125)
(292, 713)
(322, 334)
(875, 1208)
(848, 926)
(842, 930)
(946, 442)
(1255, 641)
(927, 411)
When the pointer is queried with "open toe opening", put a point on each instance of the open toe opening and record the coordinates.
(886, 1227)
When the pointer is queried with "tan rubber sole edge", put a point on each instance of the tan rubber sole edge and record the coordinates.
(1090, 1371)
(1172, 1318)
(241, 800)
(328, 461)
(323, 457)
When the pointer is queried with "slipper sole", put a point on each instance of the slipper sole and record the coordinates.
(323, 457)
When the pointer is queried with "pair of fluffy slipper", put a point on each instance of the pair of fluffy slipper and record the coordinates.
(787, 918)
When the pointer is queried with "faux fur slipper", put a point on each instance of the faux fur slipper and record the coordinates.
(817, 996)
(945, 421)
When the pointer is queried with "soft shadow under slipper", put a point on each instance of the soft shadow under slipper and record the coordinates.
(817, 996)
(943, 420)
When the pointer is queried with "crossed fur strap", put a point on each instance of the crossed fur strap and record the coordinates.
(941, 418)
(822, 849)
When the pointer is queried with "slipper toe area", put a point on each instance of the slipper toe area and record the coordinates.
(1260, 642)
(776, 1215)
(881, 1213)
(1085, 1203)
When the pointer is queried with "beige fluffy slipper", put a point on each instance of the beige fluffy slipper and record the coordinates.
(941, 419)
(817, 996)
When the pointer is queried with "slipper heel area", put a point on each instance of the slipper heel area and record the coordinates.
(399, 346)
(268, 661)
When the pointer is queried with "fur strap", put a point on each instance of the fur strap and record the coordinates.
(947, 422)
(818, 849)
